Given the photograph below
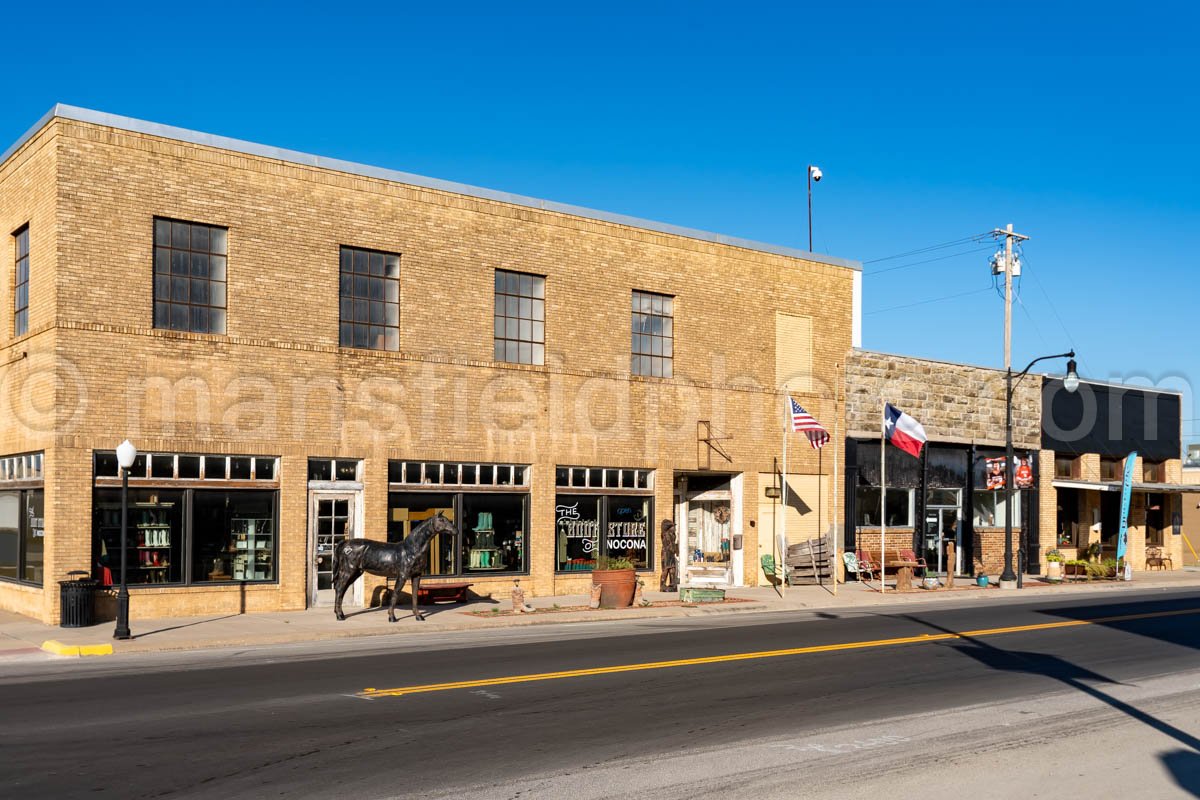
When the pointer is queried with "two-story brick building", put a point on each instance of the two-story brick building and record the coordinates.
(304, 349)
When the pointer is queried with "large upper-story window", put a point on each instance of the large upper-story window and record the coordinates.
(653, 337)
(189, 276)
(520, 332)
(370, 299)
(21, 308)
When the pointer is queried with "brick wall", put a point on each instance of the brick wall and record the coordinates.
(278, 384)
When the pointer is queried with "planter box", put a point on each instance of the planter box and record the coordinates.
(696, 594)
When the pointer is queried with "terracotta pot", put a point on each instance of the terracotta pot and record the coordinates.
(616, 587)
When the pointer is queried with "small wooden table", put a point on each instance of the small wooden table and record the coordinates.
(904, 574)
(448, 592)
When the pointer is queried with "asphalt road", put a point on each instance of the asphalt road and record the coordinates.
(295, 722)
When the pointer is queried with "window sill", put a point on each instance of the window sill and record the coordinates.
(25, 583)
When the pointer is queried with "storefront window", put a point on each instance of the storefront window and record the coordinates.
(406, 510)
(866, 507)
(233, 536)
(22, 524)
(10, 534)
(34, 537)
(155, 546)
(183, 535)
(617, 526)
(988, 509)
(493, 533)
(577, 530)
(627, 532)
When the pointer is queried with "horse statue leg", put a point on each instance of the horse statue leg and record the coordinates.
(343, 579)
(416, 590)
(395, 597)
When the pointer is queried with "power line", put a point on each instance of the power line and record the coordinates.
(925, 302)
(975, 238)
(925, 261)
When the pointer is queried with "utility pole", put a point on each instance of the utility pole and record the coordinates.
(1008, 579)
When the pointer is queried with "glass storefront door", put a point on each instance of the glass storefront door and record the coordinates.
(331, 522)
(941, 528)
(707, 545)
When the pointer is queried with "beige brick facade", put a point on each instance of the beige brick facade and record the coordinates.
(93, 370)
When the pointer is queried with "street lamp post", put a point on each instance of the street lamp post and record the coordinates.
(126, 455)
(1070, 383)
(814, 174)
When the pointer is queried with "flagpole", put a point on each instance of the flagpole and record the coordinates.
(836, 422)
(783, 494)
(883, 499)
(820, 491)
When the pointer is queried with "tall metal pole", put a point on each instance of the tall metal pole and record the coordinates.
(783, 494)
(122, 629)
(836, 432)
(883, 497)
(1008, 576)
(810, 208)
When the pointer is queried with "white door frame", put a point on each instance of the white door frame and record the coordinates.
(330, 490)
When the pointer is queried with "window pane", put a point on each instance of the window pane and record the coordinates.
(577, 531)
(155, 554)
(627, 533)
(35, 537)
(162, 466)
(407, 510)
(264, 469)
(216, 268)
(233, 536)
(320, 469)
(239, 468)
(217, 241)
(10, 533)
(217, 320)
(189, 466)
(180, 235)
(493, 539)
(214, 467)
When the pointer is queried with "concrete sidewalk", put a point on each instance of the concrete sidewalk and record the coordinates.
(20, 635)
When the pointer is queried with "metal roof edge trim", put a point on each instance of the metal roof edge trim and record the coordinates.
(134, 125)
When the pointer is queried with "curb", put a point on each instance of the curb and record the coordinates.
(59, 649)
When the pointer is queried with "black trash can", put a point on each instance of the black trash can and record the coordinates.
(77, 601)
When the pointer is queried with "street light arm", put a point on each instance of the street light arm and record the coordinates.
(1024, 372)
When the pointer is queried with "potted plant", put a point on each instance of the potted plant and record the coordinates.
(1054, 565)
(1093, 552)
(1110, 567)
(617, 580)
(1075, 568)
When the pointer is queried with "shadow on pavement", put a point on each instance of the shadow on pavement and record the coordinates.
(1185, 769)
(1177, 623)
(1184, 765)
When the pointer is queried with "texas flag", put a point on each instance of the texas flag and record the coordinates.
(903, 431)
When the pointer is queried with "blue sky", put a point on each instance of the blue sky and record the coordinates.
(932, 123)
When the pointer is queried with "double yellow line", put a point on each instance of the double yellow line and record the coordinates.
(791, 651)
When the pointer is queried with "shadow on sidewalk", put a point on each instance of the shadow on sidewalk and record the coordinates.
(185, 625)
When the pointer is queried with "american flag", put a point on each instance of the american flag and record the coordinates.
(818, 437)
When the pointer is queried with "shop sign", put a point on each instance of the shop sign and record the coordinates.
(1022, 475)
(573, 527)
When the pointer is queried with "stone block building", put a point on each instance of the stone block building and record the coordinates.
(304, 350)
(1070, 450)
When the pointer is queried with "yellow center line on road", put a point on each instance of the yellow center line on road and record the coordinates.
(791, 651)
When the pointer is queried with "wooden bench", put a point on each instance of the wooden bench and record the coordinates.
(431, 593)
(809, 562)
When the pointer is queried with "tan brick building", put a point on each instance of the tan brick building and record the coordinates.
(1074, 446)
(304, 349)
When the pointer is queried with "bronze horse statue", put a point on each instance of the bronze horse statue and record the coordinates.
(403, 561)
